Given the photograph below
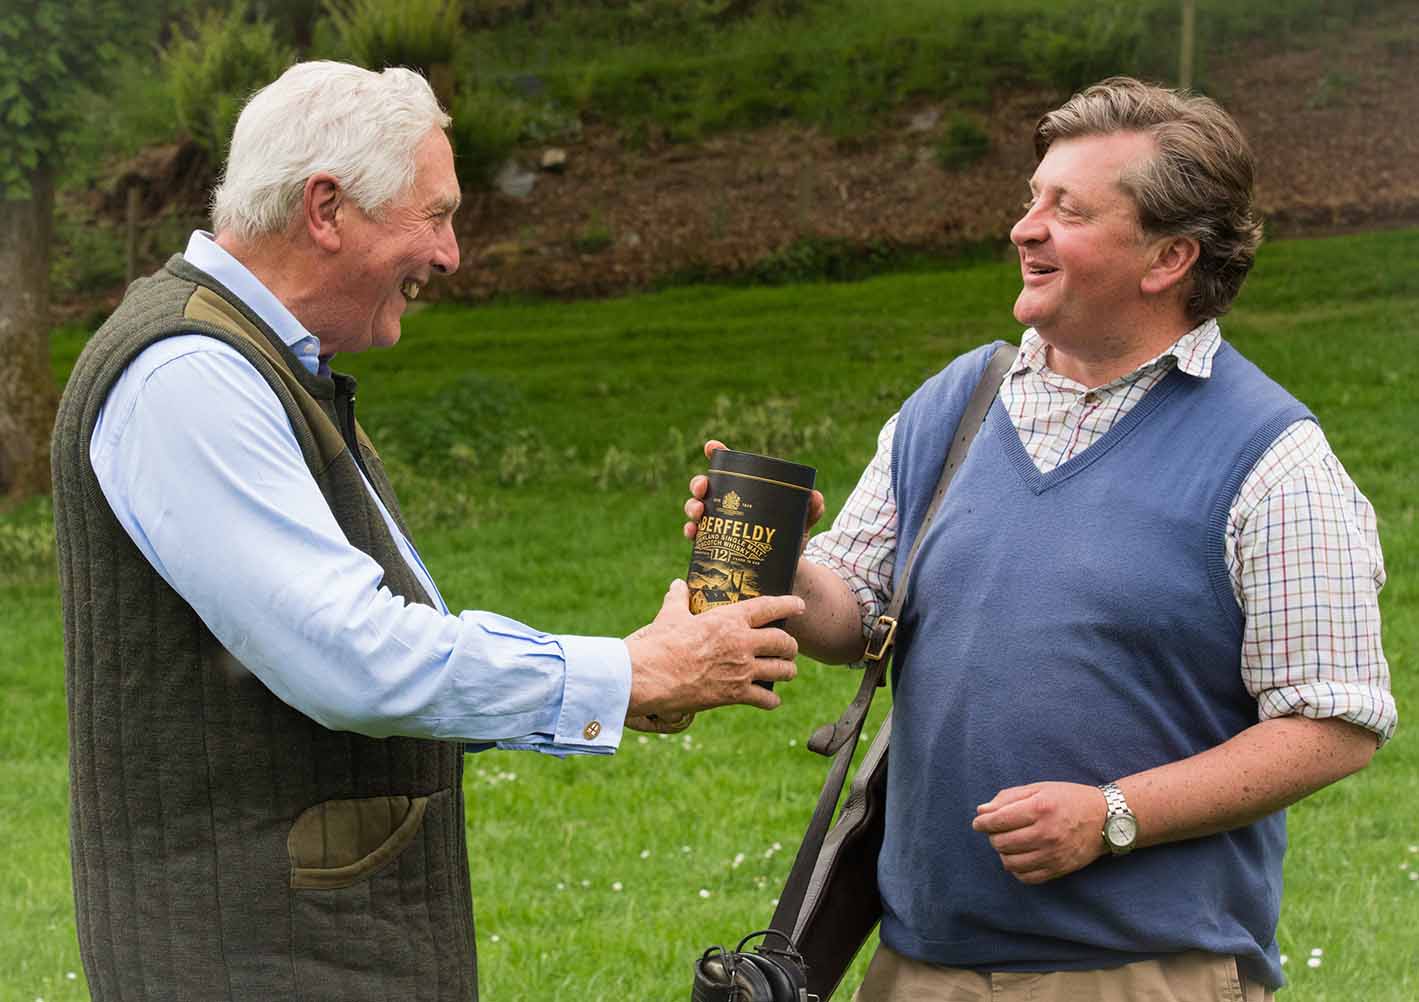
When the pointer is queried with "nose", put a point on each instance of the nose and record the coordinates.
(1029, 228)
(446, 257)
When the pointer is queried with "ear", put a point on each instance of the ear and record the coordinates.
(321, 202)
(1173, 258)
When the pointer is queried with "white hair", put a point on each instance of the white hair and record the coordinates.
(359, 126)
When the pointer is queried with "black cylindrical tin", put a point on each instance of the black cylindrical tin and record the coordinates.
(747, 543)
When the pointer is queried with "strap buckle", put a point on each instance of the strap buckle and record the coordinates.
(879, 643)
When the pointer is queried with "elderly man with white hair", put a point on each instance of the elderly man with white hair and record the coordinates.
(269, 700)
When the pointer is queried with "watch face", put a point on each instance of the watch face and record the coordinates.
(1121, 830)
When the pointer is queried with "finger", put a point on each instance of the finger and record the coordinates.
(713, 446)
(1016, 842)
(694, 509)
(768, 608)
(757, 695)
(699, 486)
(816, 505)
(774, 670)
(1006, 818)
(1041, 876)
(771, 642)
(1009, 795)
(1024, 862)
(676, 601)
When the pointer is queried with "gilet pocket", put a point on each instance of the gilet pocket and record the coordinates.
(338, 843)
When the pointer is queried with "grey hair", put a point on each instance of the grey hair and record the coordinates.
(359, 126)
(1198, 184)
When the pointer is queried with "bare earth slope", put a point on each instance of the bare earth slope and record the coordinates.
(1334, 131)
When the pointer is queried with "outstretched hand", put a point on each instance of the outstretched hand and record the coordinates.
(681, 663)
(699, 487)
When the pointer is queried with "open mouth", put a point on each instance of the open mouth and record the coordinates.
(410, 287)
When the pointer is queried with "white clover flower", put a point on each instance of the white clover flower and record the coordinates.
(738, 858)
(71, 976)
(773, 903)
(561, 886)
(1313, 962)
(663, 737)
(704, 892)
(1284, 960)
(643, 740)
(586, 883)
(792, 743)
(1317, 952)
(495, 938)
(685, 849)
(1413, 875)
(645, 854)
(778, 846)
(617, 887)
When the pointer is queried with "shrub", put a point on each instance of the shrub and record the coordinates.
(212, 72)
(420, 34)
(487, 125)
(962, 143)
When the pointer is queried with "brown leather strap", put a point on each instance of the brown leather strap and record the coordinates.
(840, 739)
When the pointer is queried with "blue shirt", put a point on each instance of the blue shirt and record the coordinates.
(199, 463)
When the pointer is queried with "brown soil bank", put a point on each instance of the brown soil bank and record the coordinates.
(1334, 131)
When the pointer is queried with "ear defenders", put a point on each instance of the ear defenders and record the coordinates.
(765, 975)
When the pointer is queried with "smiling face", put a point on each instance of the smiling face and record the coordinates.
(383, 263)
(1083, 254)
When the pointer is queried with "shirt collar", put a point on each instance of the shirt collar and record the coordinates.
(1192, 353)
(204, 253)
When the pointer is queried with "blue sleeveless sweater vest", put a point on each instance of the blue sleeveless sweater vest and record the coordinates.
(1075, 626)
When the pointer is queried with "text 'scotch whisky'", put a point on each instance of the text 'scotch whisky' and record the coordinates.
(747, 543)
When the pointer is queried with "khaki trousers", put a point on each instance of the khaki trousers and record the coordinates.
(1186, 977)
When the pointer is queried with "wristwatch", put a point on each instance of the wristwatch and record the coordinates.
(1120, 826)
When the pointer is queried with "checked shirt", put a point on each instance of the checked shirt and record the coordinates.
(1302, 545)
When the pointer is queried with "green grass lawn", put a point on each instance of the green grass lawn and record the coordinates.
(542, 451)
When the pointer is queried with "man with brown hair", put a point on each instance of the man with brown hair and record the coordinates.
(1144, 620)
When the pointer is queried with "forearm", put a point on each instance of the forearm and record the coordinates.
(830, 630)
(1045, 830)
(1264, 769)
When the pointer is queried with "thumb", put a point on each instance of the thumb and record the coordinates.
(677, 600)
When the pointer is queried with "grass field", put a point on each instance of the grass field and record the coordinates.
(542, 450)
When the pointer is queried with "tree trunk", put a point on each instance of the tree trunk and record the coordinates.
(27, 391)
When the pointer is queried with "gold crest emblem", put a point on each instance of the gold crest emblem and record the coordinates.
(730, 503)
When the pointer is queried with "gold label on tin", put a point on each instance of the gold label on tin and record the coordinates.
(746, 544)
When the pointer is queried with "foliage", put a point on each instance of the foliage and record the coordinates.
(963, 142)
(213, 70)
(487, 126)
(51, 52)
(416, 33)
(843, 64)
(27, 537)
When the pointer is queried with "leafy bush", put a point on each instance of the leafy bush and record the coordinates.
(216, 68)
(962, 143)
(487, 125)
(421, 34)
